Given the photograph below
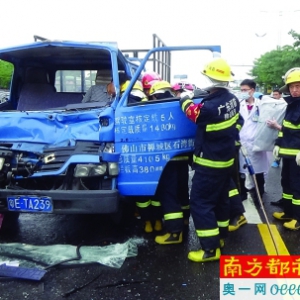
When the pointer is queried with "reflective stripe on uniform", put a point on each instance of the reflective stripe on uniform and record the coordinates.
(223, 223)
(222, 125)
(288, 124)
(208, 232)
(173, 216)
(143, 204)
(280, 134)
(238, 127)
(286, 151)
(185, 207)
(233, 192)
(155, 203)
(185, 104)
(180, 158)
(287, 196)
(212, 163)
(296, 201)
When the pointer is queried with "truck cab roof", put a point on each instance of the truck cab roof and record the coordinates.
(65, 55)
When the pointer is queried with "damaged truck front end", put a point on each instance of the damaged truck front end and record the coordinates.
(51, 157)
(49, 167)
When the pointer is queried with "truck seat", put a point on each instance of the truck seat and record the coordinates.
(36, 92)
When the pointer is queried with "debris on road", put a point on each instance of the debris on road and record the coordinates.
(112, 255)
(23, 273)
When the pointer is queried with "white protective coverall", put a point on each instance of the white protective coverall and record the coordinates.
(259, 160)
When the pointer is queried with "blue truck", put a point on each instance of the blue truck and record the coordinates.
(60, 155)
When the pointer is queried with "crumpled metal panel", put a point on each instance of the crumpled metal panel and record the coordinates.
(34, 130)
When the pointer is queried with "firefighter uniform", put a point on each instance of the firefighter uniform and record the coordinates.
(173, 190)
(173, 185)
(151, 212)
(237, 218)
(213, 161)
(288, 145)
(216, 117)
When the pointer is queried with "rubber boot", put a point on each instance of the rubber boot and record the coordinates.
(169, 238)
(204, 256)
(158, 225)
(237, 222)
(148, 227)
(292, 225)
(282, 216)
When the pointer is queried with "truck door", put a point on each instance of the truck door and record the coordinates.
(149, 134)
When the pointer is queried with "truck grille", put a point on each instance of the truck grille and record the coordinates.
(62, 154)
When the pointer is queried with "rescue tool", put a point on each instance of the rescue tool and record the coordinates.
(251, 171)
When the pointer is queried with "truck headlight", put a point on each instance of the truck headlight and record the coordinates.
(113, 168)
(98, 170)
(90, 170)
(2, 160)
(81, 171)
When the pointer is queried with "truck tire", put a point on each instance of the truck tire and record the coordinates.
(11, 217)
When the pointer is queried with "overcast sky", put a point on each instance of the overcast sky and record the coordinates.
(245, 29)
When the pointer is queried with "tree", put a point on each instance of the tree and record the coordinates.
(269, 68)
(296, 37)
(6, 70)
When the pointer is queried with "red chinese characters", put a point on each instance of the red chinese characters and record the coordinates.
(260, 266)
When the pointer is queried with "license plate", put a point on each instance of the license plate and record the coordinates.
(30, 204)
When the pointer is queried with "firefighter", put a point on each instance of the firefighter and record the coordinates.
(124, 80)
(216, 117)
(150, 212)
(180, 87)
(173, 187)
(287, 146)
(136, 94)
(147, 79)
(148, 209)
(237, 210)
(160, 89)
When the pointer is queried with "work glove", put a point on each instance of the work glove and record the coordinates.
(187, 95)
(276, 152)
(298, 159)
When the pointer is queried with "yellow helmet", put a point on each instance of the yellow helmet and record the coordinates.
(124, 86)
(292, 75)
(218, 69)
(137, 86)
(160, 87)
(138, 90)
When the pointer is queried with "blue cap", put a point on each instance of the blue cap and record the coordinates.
(258, 95)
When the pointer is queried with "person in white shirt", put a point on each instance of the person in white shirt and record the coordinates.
(249, 110)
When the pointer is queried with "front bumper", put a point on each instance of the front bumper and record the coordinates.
(71, 202)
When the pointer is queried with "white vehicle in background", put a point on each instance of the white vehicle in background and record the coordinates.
(4, 95)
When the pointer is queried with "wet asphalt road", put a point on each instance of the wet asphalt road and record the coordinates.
(157, 272)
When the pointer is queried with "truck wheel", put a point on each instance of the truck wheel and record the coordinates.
(11, 217)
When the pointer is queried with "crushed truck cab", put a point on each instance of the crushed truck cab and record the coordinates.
(61, 155)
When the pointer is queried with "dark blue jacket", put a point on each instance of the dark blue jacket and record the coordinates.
(289, 136)
(217, 117)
